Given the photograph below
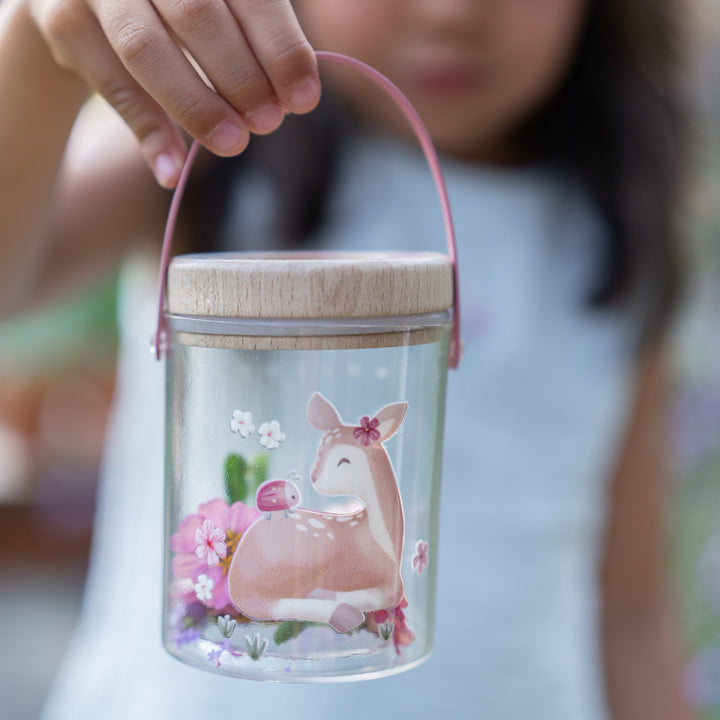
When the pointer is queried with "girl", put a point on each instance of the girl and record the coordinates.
(559, 123)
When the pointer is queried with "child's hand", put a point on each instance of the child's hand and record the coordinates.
(253, 52)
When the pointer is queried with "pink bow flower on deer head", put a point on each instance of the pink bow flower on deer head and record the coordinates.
(367, 431)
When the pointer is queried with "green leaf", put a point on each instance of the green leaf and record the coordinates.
(288, 630)
(235, 471)
(257, 473)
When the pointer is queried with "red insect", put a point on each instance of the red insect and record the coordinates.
(274, 495)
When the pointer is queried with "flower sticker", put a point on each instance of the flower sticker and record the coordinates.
(187, 564)
(391, 623)
(216, 653)
(367, 431)
(242, 423)
(210, 544)
(422, 557)
(204, 587)
(271, 435)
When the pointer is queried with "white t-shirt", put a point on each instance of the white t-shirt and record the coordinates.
(534, 417)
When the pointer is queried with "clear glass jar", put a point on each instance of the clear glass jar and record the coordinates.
(305, 408)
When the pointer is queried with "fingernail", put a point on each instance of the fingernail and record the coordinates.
(166, 169)
(304, 95)
(266, 119)
(228, 139)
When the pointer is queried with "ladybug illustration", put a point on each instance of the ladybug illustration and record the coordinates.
(274, 495)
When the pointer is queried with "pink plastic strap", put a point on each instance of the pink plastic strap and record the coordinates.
(455, 349)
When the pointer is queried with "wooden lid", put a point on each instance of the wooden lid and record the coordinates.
(310, 284)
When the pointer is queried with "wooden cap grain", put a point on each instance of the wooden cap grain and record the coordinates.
(309, 285)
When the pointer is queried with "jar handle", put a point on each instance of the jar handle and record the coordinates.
(455, 347)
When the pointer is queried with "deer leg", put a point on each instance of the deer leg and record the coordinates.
(311, 609)
(346, 618)
(341, 616)
(321, 594)
(376, 598)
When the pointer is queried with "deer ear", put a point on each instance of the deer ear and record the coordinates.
(390, 417)
(321, 413)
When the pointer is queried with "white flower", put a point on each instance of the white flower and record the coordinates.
(204, 587)
(271, 435)
(242, 422)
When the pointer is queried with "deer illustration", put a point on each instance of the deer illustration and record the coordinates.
(328, 567)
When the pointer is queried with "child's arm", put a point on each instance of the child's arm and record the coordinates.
(63, 215)
(39, 103)
(640, 636)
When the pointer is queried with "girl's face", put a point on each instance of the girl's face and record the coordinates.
(473, 69)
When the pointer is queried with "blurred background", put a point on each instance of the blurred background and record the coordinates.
(56, 382)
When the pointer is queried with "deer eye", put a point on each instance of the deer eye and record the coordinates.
(343, 460)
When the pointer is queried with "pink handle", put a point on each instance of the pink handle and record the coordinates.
(455, 349)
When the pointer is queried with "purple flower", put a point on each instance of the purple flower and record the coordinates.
(216, 653)
(187, 636)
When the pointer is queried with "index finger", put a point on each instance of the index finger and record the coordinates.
(273, 32)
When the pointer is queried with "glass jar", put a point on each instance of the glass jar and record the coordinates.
(305, 408)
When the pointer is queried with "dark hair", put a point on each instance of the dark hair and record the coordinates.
(299, 159)
(617, 124)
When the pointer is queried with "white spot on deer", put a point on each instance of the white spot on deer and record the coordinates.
(330, 535)
(343, 518)
(316, 523)
(353, 523)
(316, 534)
(302, 528)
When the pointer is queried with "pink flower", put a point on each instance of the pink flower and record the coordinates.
(204, 544)
(210, 547)
(422, 556)
(367, 431)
